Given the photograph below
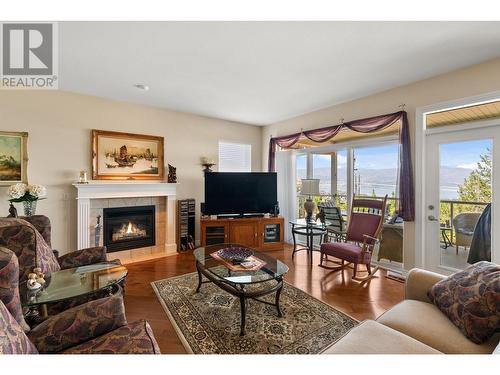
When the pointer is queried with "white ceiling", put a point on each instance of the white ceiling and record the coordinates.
(262, 72)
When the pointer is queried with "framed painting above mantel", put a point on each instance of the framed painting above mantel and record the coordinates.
(126, 156)
(13, 158)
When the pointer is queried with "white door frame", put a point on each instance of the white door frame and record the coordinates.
(434, 140)
(420, 153)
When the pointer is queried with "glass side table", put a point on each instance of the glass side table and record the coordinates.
(71, 283)
(310, 229)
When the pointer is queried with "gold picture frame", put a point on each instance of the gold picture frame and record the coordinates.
(126, 156)
(13, 158)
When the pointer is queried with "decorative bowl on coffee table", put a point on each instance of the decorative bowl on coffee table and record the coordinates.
(235, 254)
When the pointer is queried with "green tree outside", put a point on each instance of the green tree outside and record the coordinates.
(476, 188)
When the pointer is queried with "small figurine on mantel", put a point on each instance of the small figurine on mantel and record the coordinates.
(97, 230)
(12, 211)
(172, 174)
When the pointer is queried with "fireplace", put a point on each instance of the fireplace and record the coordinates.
(126, 228)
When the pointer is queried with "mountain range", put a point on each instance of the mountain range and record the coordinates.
(383, 180)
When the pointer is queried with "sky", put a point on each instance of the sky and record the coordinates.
(457, 155)
(382, 157)
(463, 154)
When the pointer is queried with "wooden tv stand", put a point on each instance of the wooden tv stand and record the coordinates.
(260, 233)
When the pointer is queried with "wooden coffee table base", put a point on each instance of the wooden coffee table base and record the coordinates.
(238, 290)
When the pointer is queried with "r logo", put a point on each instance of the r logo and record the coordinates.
(27, 49)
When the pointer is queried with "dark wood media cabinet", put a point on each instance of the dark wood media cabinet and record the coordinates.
(260, 233)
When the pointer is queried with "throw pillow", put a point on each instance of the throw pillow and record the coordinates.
(471, 300)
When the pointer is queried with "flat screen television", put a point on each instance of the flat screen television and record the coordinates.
(238, 193)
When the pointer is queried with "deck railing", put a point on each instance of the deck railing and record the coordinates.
(341, 200)
(448, 208)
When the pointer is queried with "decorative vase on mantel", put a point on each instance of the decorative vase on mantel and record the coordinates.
(29, 208)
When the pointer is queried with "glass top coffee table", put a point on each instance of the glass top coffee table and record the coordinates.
(71, 283)
(243, 284)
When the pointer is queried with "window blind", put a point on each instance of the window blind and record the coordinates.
(235, 157)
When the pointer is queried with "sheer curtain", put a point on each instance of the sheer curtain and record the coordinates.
(287, 195)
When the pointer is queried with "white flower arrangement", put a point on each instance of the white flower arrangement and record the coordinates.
(38, 191)
(16, 191)
(26, 193)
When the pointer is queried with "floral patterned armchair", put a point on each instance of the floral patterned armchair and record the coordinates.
(42, 225)
(96, 327)
(29, 239)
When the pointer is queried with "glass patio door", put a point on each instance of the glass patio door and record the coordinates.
(461, 180)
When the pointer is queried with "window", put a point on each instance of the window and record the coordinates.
(301, 170)
(342, 173)
(235, 157)
(367, 169)
(376, 171)
(331, 169)
(322, 169)
(375, 174)
(300, 173)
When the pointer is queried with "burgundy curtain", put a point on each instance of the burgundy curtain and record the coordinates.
(406, 204)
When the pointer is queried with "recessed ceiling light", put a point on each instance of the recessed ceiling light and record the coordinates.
(142, 87)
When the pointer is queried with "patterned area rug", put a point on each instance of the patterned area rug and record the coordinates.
(208, 322)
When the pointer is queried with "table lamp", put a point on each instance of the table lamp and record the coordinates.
(310, 187)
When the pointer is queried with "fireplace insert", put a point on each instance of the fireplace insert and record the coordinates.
(126, 228)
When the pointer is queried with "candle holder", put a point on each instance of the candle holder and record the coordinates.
(82, 179)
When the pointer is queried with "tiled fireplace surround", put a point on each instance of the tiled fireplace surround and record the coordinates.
(92, 198)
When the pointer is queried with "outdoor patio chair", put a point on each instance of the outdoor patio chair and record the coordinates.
(464, 225)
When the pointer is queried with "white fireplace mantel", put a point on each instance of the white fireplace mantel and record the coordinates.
(97, 190)
(122, 189)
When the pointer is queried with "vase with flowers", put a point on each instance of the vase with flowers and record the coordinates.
(29, 195)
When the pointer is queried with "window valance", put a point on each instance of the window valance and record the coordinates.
(406, 203)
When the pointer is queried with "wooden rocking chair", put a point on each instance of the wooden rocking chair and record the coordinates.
(363, 233)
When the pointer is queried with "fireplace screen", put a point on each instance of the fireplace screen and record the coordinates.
(128, 228)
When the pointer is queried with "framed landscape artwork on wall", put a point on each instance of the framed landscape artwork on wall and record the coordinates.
(13, 158)
(119, 156)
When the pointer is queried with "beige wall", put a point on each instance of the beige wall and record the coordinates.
(474, 80)
(59, 125)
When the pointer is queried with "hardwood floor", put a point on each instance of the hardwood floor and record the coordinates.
(361, 301)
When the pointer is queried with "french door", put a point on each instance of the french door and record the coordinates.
(462, 175)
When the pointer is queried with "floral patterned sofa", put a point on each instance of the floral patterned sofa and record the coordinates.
(96, 327)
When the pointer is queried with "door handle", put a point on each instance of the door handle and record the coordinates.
(432, 218)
